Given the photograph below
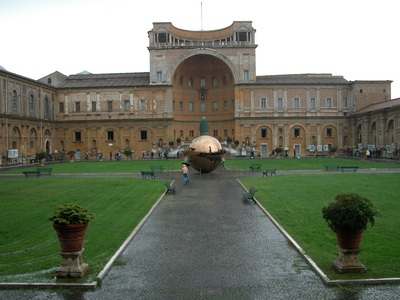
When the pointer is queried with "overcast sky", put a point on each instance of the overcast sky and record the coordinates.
(353, 38)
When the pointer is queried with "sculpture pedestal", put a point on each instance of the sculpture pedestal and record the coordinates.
(348, 261)
(72, 265)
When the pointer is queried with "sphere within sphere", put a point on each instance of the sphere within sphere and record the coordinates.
(205, 153)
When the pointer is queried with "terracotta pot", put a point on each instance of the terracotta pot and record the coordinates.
(71, 236)
(347, 239)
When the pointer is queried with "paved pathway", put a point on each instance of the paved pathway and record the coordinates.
(205, 243)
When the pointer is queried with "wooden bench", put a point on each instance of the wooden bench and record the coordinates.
(250, 195)
(321, 155)
(327, 166)
(240, 156)
(48, 170)
(27, 173)
(170, 157)
(354, 168)
(155, 168)
(256, 167)
(271, 171)
(148, 173)
(169, 188)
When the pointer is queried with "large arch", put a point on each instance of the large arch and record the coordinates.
(171, 70)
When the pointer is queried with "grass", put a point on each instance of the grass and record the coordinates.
(296, 201)
(122, 167)
(302, 164)
(29, 248)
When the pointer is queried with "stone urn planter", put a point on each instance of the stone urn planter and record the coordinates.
(70, 222)
(40, 156)
(348, 216)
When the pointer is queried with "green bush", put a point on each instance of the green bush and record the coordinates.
(71, 214)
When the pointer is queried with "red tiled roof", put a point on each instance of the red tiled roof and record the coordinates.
(301, 79)
(381, 105)
(107, 80)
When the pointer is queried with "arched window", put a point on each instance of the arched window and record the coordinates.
(14, 101)
(47, 132)
(391, 125)
(46, 107)
(373, 126)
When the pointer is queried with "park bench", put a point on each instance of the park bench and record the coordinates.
(155, 168)
(270, 171)
(48, 170)
(256, 167)
(327, 166)
(148, 173)
(250, 195)
(27, 173)
(354, 168)
(321, 155)
(240, 156)
(169, 188)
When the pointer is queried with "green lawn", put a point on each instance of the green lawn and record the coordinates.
(126, 167)
(29, 249)
(296, 201)
(302, 163)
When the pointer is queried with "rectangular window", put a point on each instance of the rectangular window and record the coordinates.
(280, 103)
(246, 75)
(224, 81)
(78, 137)
(190, 82)
(180, 106)
(345, 130)
(225, 105)
(296, 102)
(191, 133)
(143, 135)
(280, 114)
(225, 132)
(328, 102)
(126, 105)
(31, 145)
(263, 103)
(110, 135)
(329, 132)
(344, 102)
(180, 133)
(93, 106)
(61, 107)
(312, 102)
(297, 132)
(215, 133)
(77, 106)
(215, 106)
(202, 106)
(214, 81)
(191, 106)
(109, 105)
(280, 131)
(159, 77)
(202, 82)
(263, 132)
(233, 104)
(143, 105)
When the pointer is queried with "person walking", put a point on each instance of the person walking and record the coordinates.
(185, 172)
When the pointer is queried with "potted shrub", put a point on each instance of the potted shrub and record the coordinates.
(348, 216)
(363, 154)
(178, 141)
(229, 140)
(71, 155)
(278, 151)
(171, 144)
(40, 156)
(128, 154)
(332, 151)
(236, 143)
(70, 222)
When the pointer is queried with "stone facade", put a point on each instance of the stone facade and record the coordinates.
(193, 74)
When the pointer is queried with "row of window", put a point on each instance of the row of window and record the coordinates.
(296, 102)
(126, 106)
(214, 81)
(203, 106)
